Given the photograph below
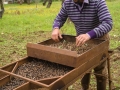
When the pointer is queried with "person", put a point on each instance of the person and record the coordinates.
(91, 19)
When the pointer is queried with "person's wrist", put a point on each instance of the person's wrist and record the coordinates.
(88, 35)
(92, 34)
(55, 28)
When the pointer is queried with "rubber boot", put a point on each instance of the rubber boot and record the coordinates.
(85, 82)
(101, 83)
(101, 80)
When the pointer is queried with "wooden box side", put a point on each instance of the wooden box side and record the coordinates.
(59, 56)
(102, 47)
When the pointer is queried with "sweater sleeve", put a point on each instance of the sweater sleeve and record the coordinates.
(105, 20)
(61, 17)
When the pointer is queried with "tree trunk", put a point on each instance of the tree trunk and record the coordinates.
(49, 3)
(44, 2)
(1, 8)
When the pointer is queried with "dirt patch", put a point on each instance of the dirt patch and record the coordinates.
(13, 46)
(40, 89)
(116, 55)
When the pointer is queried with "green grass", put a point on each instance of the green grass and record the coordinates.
(26, 23)
(20, 19)
(115, 36)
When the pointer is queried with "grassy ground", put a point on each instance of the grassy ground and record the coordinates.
(26, 23)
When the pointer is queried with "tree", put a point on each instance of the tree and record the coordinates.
(49, 3)
(1, 8)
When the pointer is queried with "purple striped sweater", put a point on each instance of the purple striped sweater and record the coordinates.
(92, 17)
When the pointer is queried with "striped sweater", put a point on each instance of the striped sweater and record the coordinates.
(92, 17)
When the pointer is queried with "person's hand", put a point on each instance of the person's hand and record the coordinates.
(81, 39)
(56, 35)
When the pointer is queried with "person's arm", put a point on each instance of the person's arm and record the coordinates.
(104, 19)
(58, 23)
(104, 27)
(61, 17)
